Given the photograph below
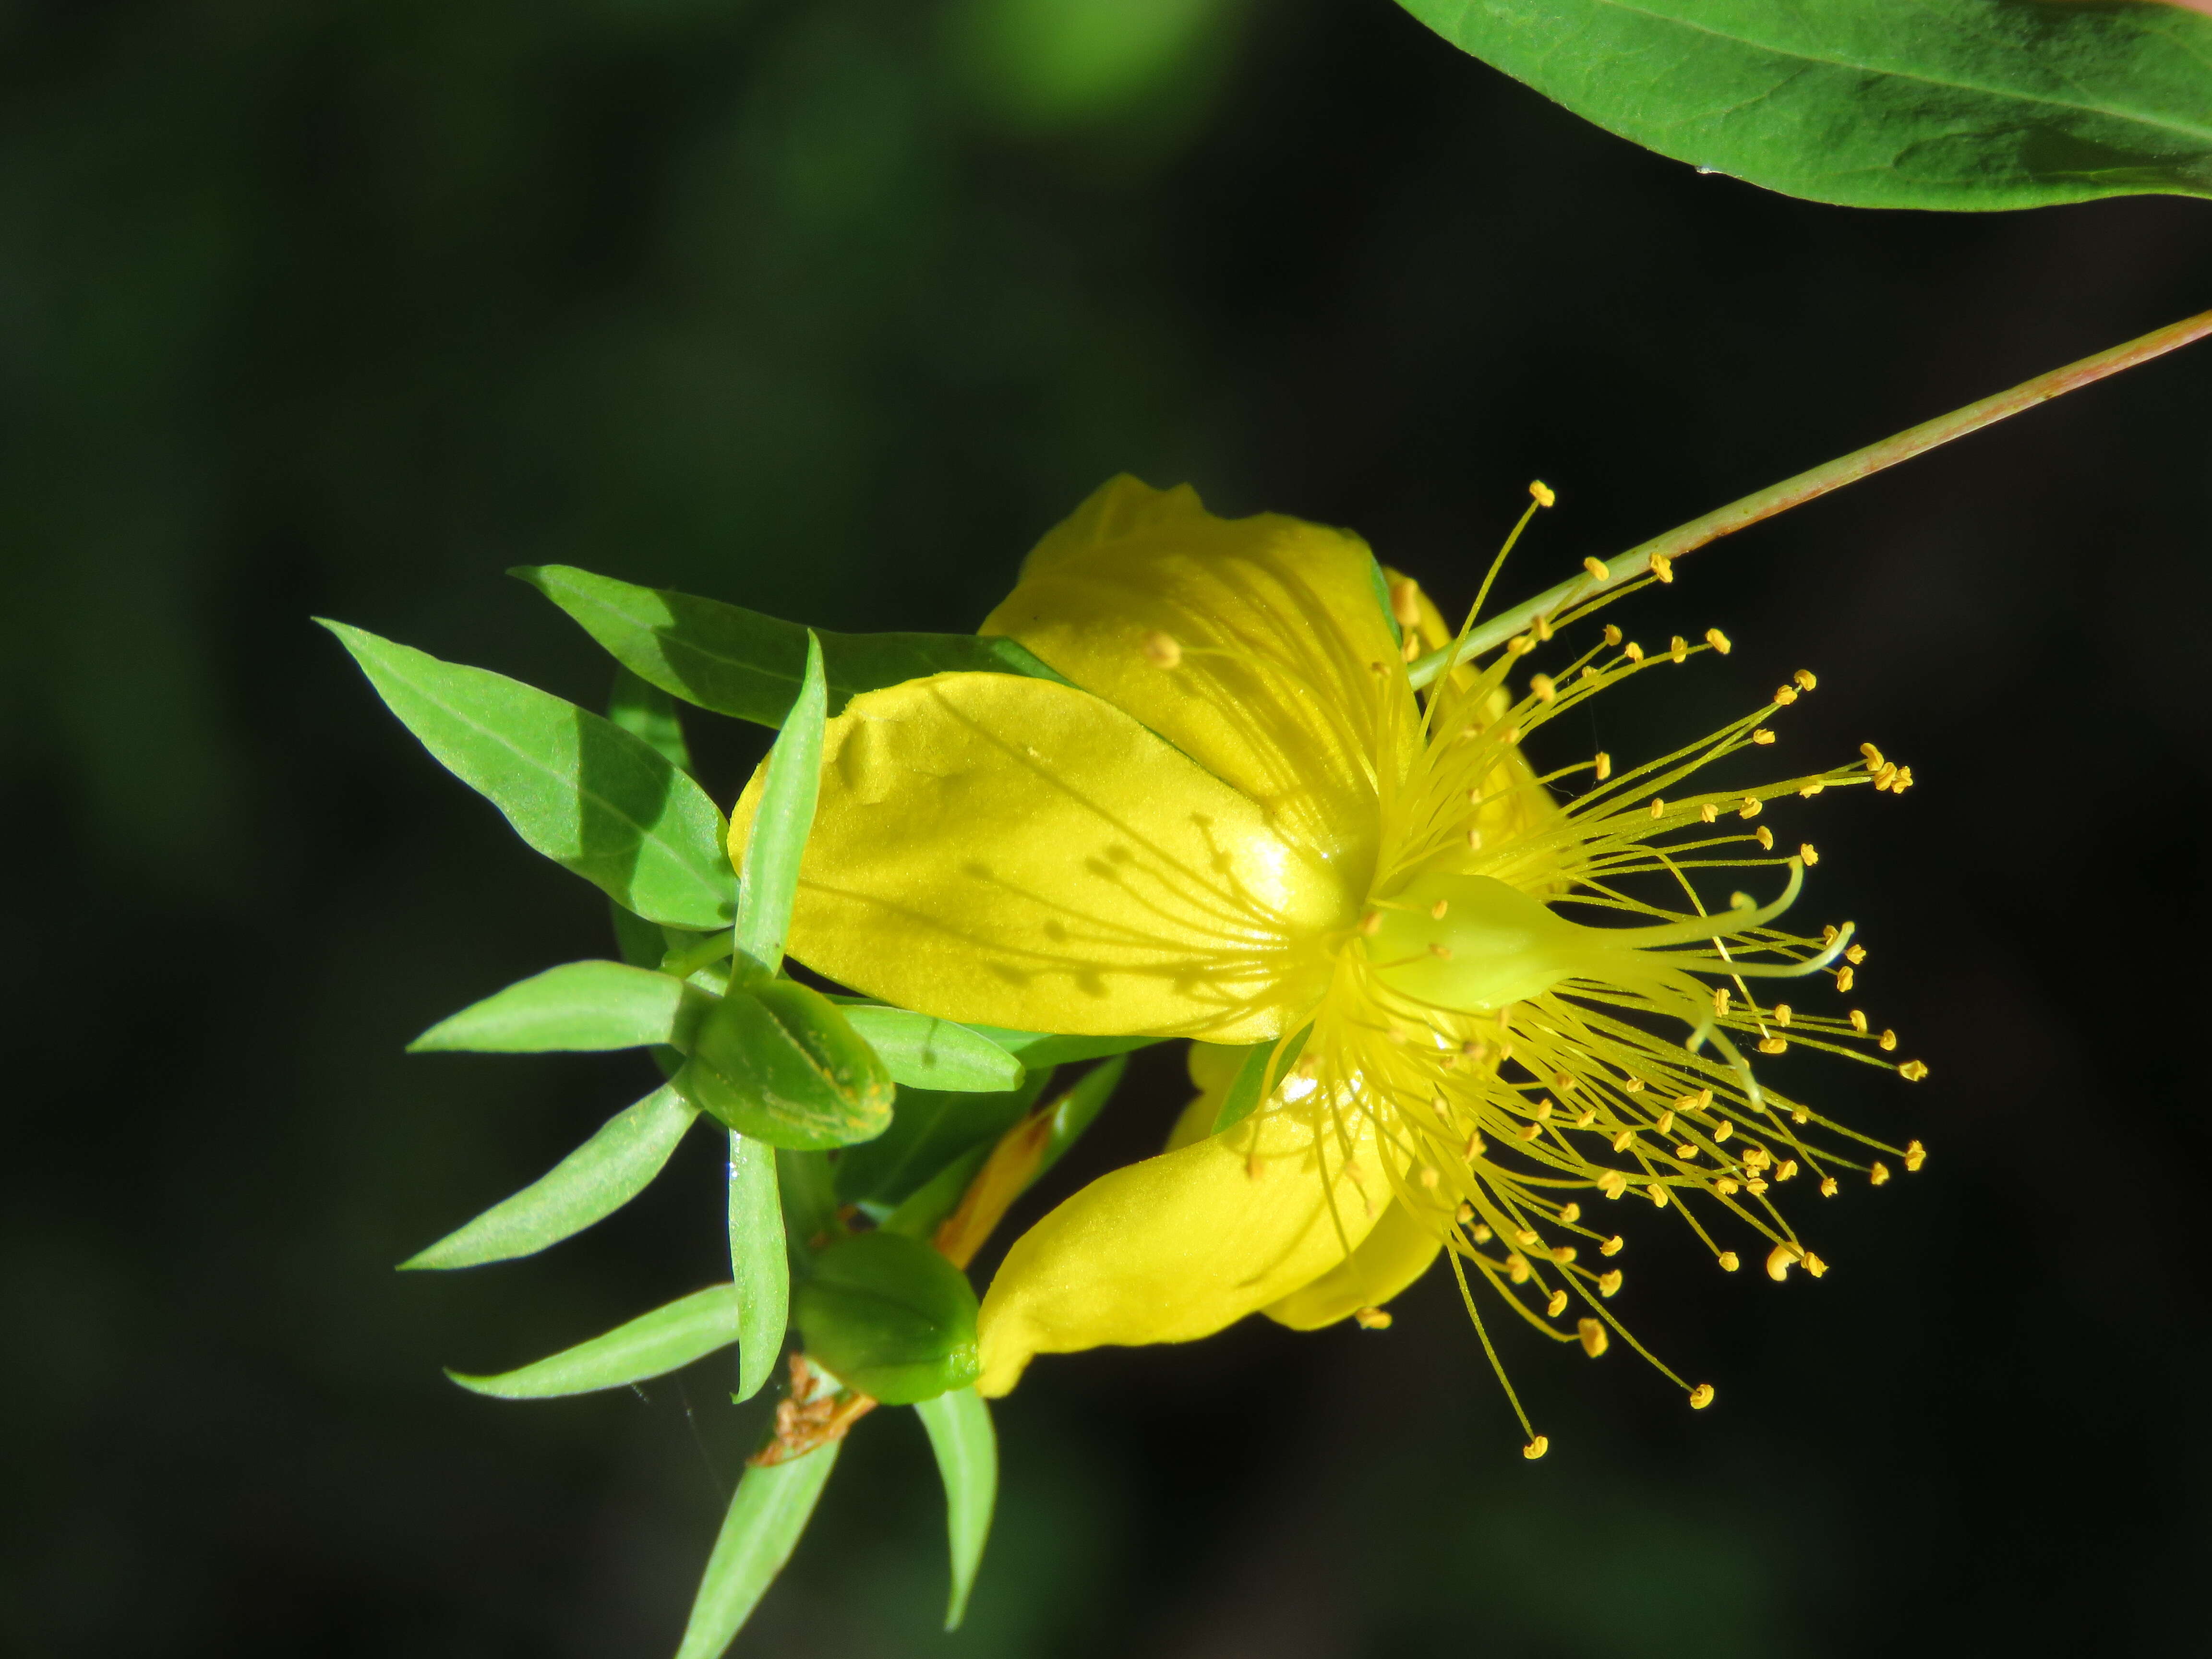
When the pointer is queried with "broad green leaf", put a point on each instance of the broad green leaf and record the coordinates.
(1876, 103)
(652, 1345)
(929, 1129)
(781, 825)
(888, 1317)
(1253, 1082)
(922, 1052)
(772, 1506)
(758, 1266)
(1040, 1050)
(777, 1062)
(577, 1006)
(601, 1175)
(647, 712)
(577, 788)
(740, 663)
(959, 1425)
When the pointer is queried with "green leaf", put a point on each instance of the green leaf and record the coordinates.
(770, 1509)
(577, 788)
(1041, 1050)
(759, 1267)
(777, 841)
(652, 1345)
(888, 1317)
(579, 1005)
(740, 663)
(1876, 103)
(922, 1052)
(601, 1175)
(920, 1212)
(779, 1062)
(647, 712)
(1253, 1082)
(929, 1129)
(959, 1425)
(1077, 1109)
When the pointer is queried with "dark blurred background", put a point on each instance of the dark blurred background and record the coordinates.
(830, 309)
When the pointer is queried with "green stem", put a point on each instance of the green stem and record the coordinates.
(1778, 498)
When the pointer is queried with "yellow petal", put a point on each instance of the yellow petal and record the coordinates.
(1390, 1258)
(1013, 852)
(1178, 1246)
(1214, 1067)
(1291, 715)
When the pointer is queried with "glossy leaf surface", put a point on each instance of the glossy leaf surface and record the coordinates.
(1876, 103)
(889, 1317)
(740, 663)
(921, 1051)
(780, 1063)
(959, 1427)
(767, 1515)
(578, 1006)
(578, 788)
(652, 1345)
(601, 1175)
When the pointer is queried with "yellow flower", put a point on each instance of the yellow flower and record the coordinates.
(1241, 822)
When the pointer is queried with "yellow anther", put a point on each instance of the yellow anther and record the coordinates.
(1726, 1186)
(1541, 627)
(1719, 641)
(1517, 1268)
(1598, 572)
(1720, 998)
(1856, 955)
(1406, 602)
(1545, 497)
(1845, 977)
(1915, 1155)
(1632, 651)
(1530, 1131)
(1609, 1283)
(1429, 1177)
(1481, 1233)
(1371, 923)
(1686, 1153)
(1556, 1305)
(1873, 757)
(1593, 1333)
(1813, 1265)
(1805, 679)
(1781, 1259)
(1913, 1070)
(1527, 1235)
(1807, 852)
(1879, 1175)
(1799, 1115)
(1542, 1444)
(1886, 779)
(1679, 648)
(1570, 1213)
(1372, 1318)
(1662, 567)
(1809, 790)
(1828, 1188)
(1464, 1214)
(1603, 766)
(1729, 1261)
(1785, 1170)
(1762, 734)
(1756, 1158)
(1544, 687)
(1473, 836)
(1750, 808)
(1584, 1118)
(1724, 1131)
(1666, 1123)
(1162, 650)
(1886, 1042)
(1784, 695)
(1658, 1194)
(1773, 1045)
(1613, 1183)
(1709, 813)
(1475, 1048)
(1783, 1014)
(1859, 1021)
(1612, 1246)
(1705, 1098)
(1520, 646)
(1658, 807)
(1611, 635)
(1634, 1085)
(1701, 1396)
(1764, 838)
(1440, 950)
(1754, 1186)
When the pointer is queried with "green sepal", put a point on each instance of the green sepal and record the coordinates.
(888, 1317)
(577, 788)
(923, 1052)
(1256, 1081)
(740, 663)
(767, 1515)
(760, 1267)
(959, 1427)
(601, 1175)
(779, 1062)
(577, 1007)
(777, 841)
(652, 1345)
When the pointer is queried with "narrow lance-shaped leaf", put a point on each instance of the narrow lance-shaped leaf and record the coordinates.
(1257, 1079)
(1041, 1050)
(922, 1052)
(601, 1175)
(959, 1425)
(740, 663)
(579, 1005)
(1876, 103)
(770, 1509)
(778, 842)
(578, 788)
(758, 1267)
(652, 1345)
